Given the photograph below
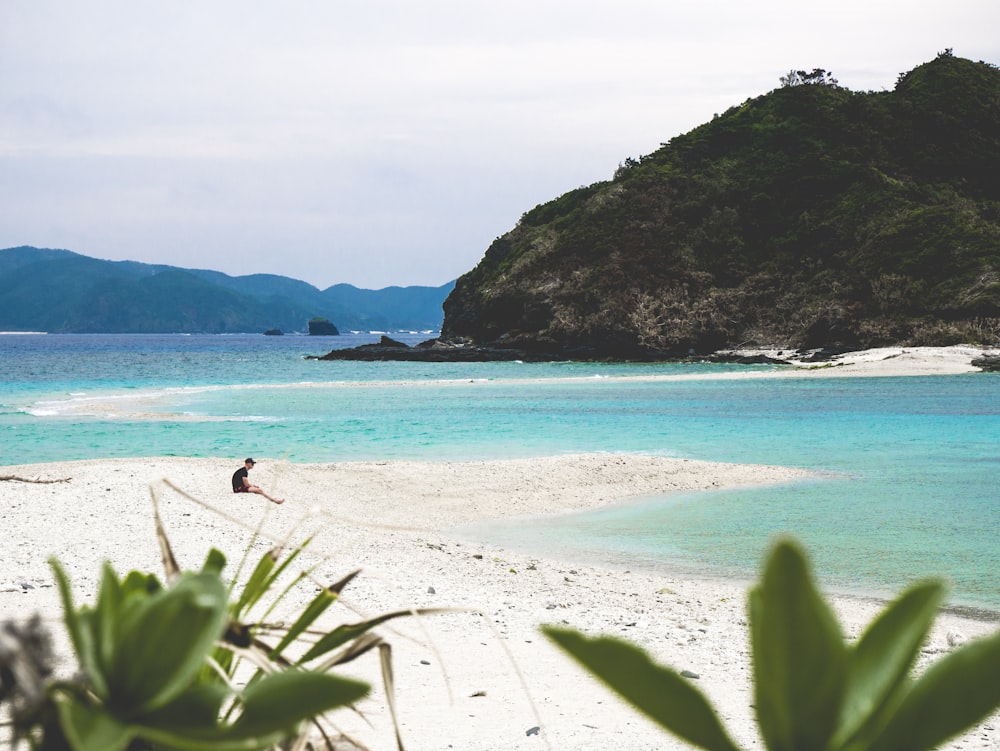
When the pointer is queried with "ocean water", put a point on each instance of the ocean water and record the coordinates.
(909, 466)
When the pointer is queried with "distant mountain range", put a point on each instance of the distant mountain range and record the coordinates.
(60, 291)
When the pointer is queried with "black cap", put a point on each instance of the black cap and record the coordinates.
(248, 460)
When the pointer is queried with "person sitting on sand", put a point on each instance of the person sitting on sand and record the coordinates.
(241, 483)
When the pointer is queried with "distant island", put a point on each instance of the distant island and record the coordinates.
(60, 291)
(809, 217)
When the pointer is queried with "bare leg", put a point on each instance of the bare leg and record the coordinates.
(259, 491)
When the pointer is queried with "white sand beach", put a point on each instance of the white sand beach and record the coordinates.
(479, 678)
(872, 363)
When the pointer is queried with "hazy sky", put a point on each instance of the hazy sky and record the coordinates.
(382, 142)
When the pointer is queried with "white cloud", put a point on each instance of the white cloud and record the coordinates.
(385, 142)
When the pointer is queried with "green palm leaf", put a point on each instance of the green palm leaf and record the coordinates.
(656, 691)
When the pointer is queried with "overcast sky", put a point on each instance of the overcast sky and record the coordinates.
(386, 142)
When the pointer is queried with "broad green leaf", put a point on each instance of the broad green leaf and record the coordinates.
(882, 658)
(656, 691)
(197, 708)
(137, 582)
(281, 701)
(165, 641)
(215, 561)
(70, 616)
(80, 632)
(107, 617)
(216, 739)
(91, 728)
(799, 656)
(955, 693)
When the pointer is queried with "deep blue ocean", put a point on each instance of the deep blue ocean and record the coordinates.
(911, 466)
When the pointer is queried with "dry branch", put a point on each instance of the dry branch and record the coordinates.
(15, 478)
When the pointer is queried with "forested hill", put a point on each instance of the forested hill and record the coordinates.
(810, 216)
(62, 291)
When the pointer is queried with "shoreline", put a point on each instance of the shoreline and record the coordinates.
(896, 362)
(885, 361)
(478, 678)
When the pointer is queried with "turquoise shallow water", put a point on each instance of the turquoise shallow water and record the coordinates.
(912, 464)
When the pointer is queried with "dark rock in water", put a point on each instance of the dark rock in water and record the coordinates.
(745, 359)
(432, 350)
(509, 350)
(826, 354)
(989, 363)
(386, 341)
(322, 327)
(274, 332)
(446, 350)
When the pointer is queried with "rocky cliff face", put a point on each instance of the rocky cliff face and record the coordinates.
(322, 327)
(811, 216)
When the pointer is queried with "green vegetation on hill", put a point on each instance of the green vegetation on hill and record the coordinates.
(62, 291)
(810, 216)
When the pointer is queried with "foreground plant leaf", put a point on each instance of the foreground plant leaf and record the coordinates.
(256, 587)
(197, 708)
(164, 641)
(314, 610)
(274, 707)
(657, 691)
(215, 562)
(106, 619)
(955, 693)
(881, 661)
(280, 701)
(326, 597)
(799, 656)
(351, 631)
(81, 635)
(813, 692)
(91, 728)
(264, 576)
(161, 664)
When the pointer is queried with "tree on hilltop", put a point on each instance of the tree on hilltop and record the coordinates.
(818, 77)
